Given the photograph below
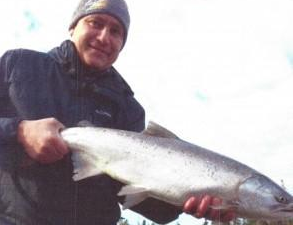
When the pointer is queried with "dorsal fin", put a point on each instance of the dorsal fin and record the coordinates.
(157, 130)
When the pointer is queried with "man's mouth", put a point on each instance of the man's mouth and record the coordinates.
(100, 50)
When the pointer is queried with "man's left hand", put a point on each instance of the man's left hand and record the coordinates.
(200, 207)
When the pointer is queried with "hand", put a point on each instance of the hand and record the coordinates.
(200, 208)
(42, 140)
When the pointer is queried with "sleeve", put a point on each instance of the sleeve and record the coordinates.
(8, 129)
(138, 124)
(8, 118)
(135, 116)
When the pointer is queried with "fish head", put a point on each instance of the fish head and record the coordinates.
(261, 198)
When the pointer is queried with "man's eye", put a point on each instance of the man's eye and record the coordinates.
(95, 24)
(116, 32)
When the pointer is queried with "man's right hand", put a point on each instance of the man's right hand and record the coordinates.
(42, 140)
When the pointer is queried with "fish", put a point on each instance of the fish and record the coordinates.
(158, 164)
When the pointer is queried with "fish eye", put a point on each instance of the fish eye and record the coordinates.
(281, 199)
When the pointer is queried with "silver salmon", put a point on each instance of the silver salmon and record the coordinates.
(157, 164)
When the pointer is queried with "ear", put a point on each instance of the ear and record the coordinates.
(71, 31)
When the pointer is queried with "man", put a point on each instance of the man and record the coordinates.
(40, 94)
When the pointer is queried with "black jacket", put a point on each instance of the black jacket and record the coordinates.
(35, 85)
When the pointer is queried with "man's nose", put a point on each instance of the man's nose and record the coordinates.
(104, 35)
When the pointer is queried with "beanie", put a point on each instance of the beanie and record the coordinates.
(115, 8)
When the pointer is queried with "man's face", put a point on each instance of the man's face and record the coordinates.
(98, 39)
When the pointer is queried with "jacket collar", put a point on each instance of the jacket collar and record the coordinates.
(67, 56)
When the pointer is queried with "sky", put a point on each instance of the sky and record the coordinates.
(218, 73)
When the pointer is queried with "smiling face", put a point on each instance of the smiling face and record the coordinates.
(98, 39)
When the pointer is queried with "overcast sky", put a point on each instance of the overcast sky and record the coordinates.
(218, 73)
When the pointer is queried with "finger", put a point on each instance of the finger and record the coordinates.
(61, 127)
(190, 205)
(220, 215)
(48, 155)
(51, 149)
(60, 145)
(203, 206)
(214, 214)
(228, 216)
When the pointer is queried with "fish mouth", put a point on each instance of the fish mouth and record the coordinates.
(289, 209)
(286, 209)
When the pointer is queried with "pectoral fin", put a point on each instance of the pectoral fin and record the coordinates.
(133, 195)
(84, 165)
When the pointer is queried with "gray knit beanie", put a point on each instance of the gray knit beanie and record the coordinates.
(115, 8)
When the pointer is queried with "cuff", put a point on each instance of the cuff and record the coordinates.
(8, 128)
